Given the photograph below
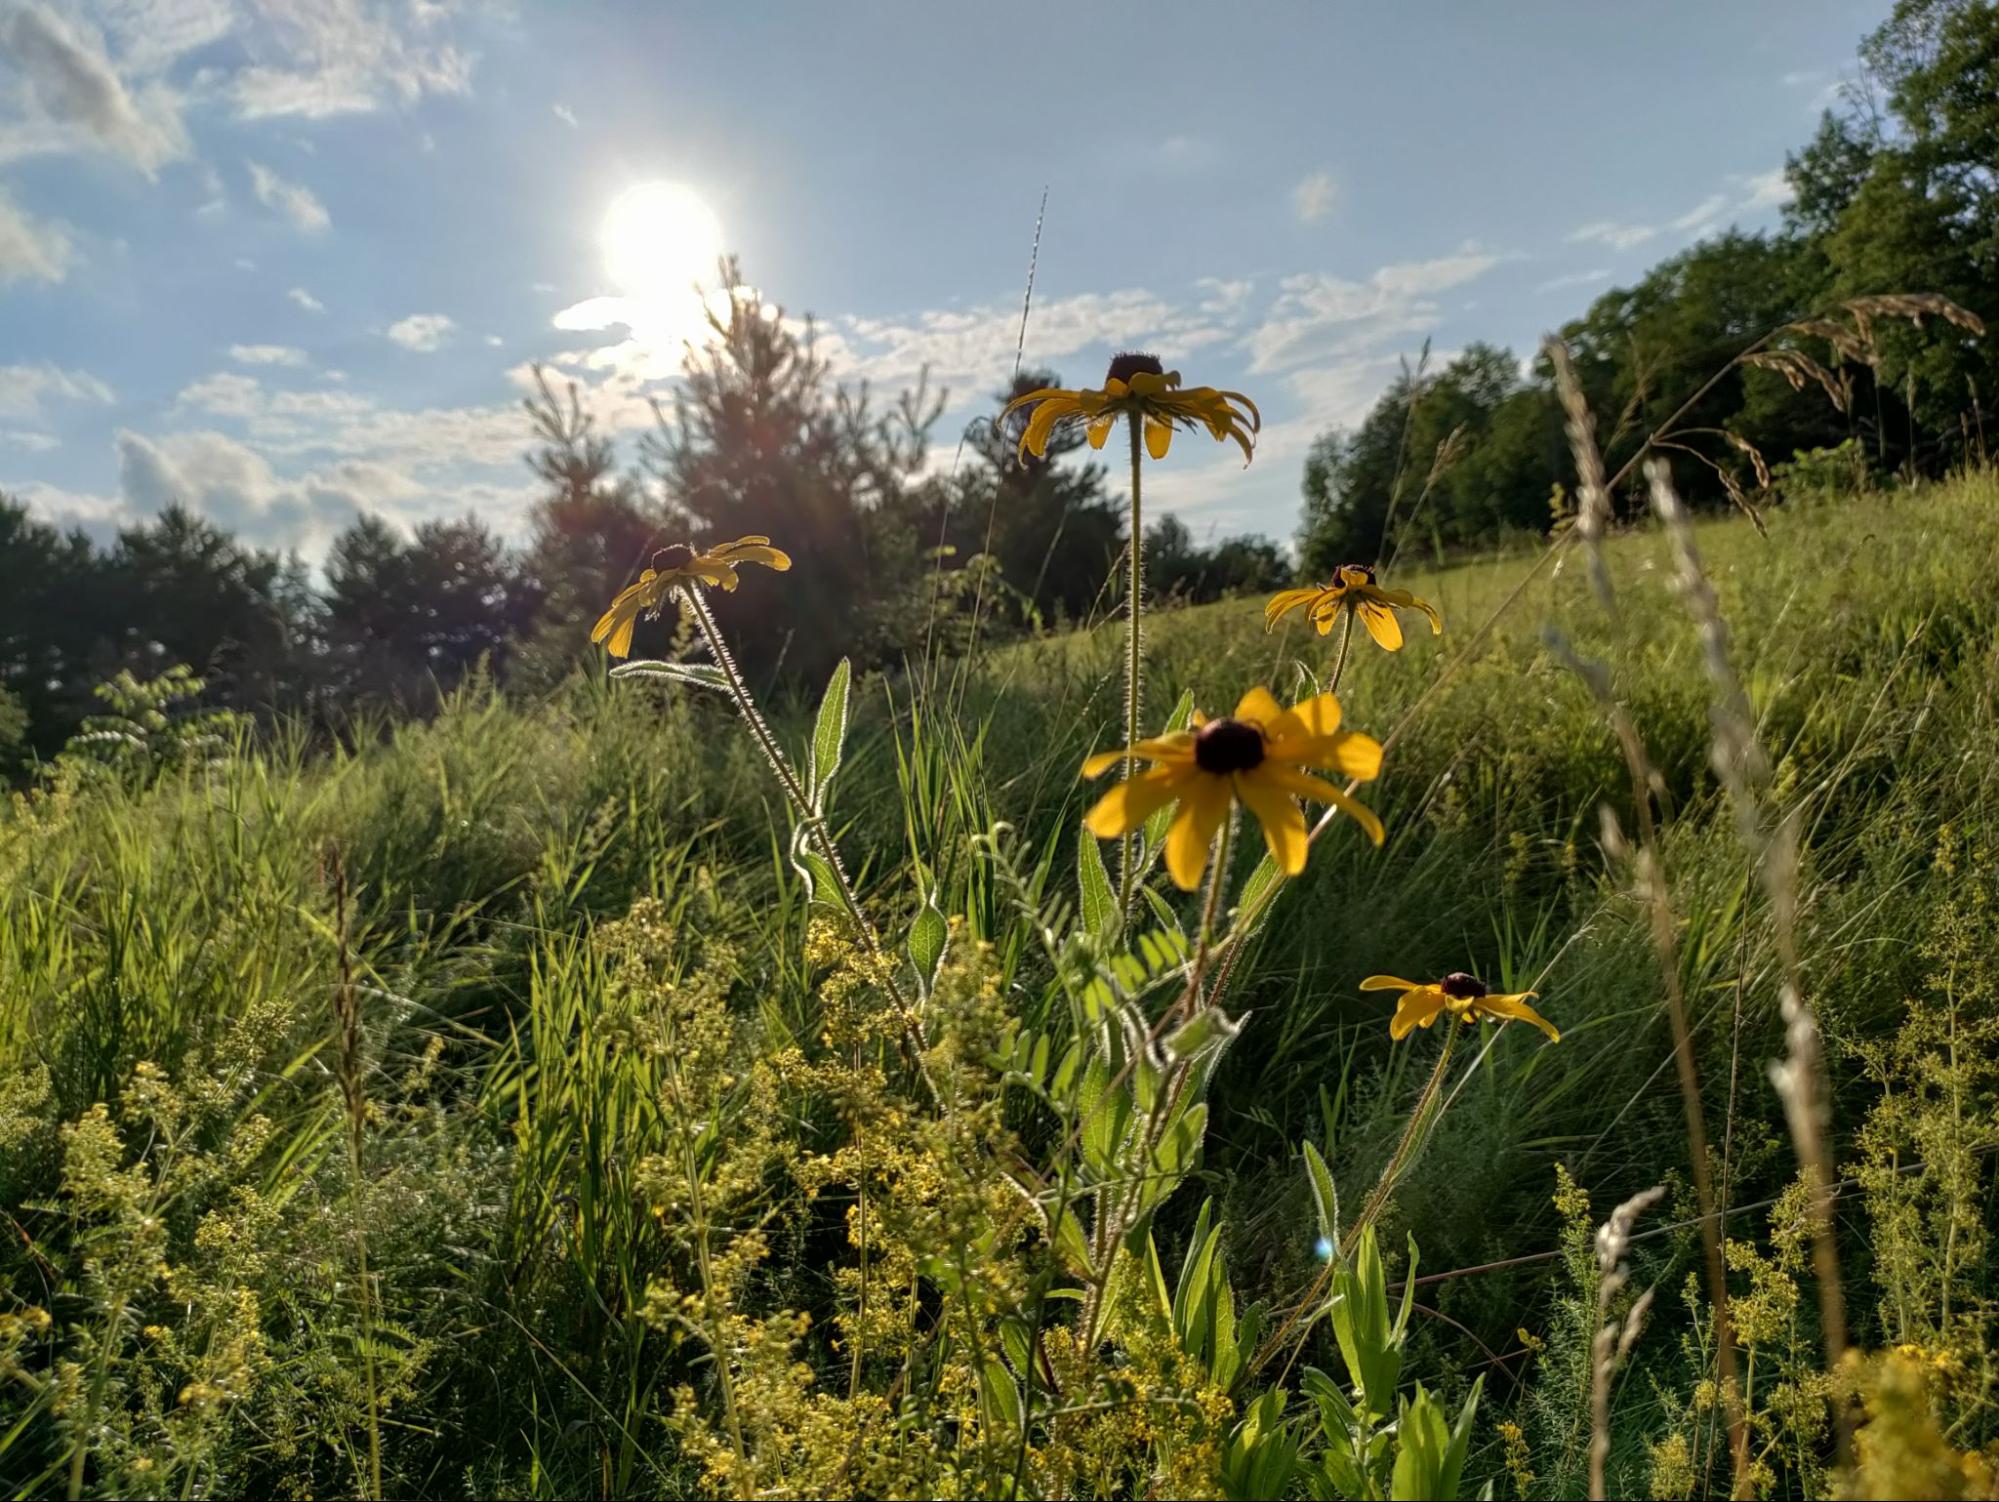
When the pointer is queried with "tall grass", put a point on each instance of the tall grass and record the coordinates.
(223, 1072)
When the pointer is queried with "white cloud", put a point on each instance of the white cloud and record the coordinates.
(266, 354)
(1765, 190)
(1573, 279)
(1609, 232)
(346, 58)
(494, 341)
(1318, 314)
(306, 300)
(73, 508)
(227, 393)
(30, 249)
(1701, 217)
(421, 332)
(565, 114)
(235, 487)
(1314, 197)
(293, 200)
(24, 389)
(71, 97)
(31, 442)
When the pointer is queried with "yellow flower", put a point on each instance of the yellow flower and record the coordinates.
(676, 565)
(1463, 996)
(1143, 391)
(1253, 756)
(1353, 588)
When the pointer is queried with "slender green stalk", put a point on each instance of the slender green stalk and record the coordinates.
(815, 823)
(348, 1063)
(1340, 662)
(1134, 684)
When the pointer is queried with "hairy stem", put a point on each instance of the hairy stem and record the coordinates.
(1134, 686)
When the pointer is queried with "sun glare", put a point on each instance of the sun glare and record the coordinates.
(659, 240)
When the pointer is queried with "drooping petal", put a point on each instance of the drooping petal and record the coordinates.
(1516, 1007)
(1100, 428)
(1419, 1007)
(1203, 806)
(1041, 422)
(1318, 715)
(1389, 983)
(1145, 384)
(1404, 601)
(1283, 823)
(714, 571)
(1381, 625)
(752, 550)
(1304, 785)
(1158, 437)
(1132, 802)
(1285, 601)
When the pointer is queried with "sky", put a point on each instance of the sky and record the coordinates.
(286, 261)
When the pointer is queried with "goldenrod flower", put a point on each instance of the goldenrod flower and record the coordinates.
(675, 565)
(1353, 588)
(1253, 756)
(1141, 390)
(1463, 996)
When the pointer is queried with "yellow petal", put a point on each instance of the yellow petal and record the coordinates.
(1318, 715)
(1158, 437)
(1177, 747)
(1381, 625)
(1347, 752)
(1041, 423)
(753, 550)
(714, 571)
(1516, 1007)
(1283, 824)
(1132, 802)
(1389, 983)
(1260, 708)
(1304, 785)
(1284, 602)
(1419, 1007)
(1100, 428)
(1029, 398)
(1203, 806)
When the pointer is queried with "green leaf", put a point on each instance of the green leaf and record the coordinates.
(1422, 1438)
(1000, 1396)
(829, 736)
(1156, 826)
(1066, 1234)
(821, 884)
(696, 674)
(928, 936)
(1095, 895)
(1325, 1197)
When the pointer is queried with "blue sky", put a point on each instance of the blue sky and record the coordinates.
(289, 259)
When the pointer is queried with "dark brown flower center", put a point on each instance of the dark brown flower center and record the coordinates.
(1224, 746)
(1131, 363)
(1461, 987)
(676, 555)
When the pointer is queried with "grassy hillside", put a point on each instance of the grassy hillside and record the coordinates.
(342, 1095)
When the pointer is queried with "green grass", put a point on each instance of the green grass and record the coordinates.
(186, 923)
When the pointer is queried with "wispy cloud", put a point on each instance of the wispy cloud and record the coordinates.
(70, 96)
(1610, 232)
(26, 389)
(30, 442)
(306, 300)
(266, 354)
(565, 114)
(347, 58)
(294, 201)
(421, 332)
(1319, 313)
(1573, 279)
(1314, 197)
(31, 249)
(1765, 190)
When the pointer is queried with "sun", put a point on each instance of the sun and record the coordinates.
(660, 240)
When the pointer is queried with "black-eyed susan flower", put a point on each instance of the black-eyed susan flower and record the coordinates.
(1353, 588)
(1148, 395)
(1256, 757)
(674, 566)
(1462, 996)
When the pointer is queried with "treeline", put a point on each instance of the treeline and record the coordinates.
(892, 557)
(1896, 192)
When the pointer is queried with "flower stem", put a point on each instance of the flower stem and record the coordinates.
(1134, 688)
(1340, 662)
(815, 822)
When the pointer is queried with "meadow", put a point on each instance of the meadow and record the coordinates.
(486, 1106)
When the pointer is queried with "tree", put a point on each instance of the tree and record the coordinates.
(56, 617)
(763, 440)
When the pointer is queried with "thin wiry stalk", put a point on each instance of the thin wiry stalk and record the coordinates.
(1738, 759)
(1614, 1338)
(1650, 882)
(815, 822)
(1134, 686)
(347, 1063)
(1340, 662)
